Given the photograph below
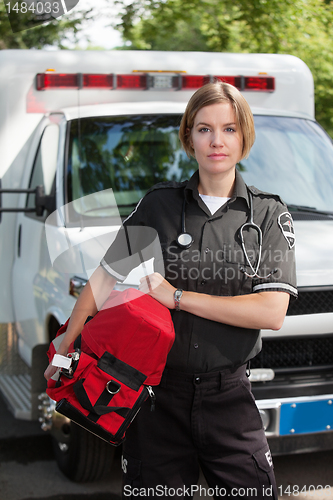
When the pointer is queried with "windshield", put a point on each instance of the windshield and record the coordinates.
(128, 154)
(291, 157)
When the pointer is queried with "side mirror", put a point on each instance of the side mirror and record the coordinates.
(42, 201)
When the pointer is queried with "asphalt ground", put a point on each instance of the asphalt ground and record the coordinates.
(28, 470)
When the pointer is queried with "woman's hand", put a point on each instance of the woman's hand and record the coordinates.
(158, 288)
(50, 371)
(91, 299)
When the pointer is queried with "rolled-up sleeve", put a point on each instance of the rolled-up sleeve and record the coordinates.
(134, 244)
(278, 255)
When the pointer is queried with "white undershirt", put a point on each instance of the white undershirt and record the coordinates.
(213, 202)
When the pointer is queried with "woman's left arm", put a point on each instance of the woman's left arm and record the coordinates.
(261, 310)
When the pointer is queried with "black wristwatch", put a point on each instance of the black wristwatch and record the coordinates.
(177, 296)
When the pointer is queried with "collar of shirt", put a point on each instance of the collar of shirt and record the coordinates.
(191, 191)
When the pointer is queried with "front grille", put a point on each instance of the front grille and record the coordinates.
(300, 353)
(311, 302)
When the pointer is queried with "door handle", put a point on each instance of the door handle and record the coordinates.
(19, 240)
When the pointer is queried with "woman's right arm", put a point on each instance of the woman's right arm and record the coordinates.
(91, 299)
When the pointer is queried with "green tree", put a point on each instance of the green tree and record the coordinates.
(54, 33)
(299, 27)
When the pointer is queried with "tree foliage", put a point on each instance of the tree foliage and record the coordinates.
(53, 33)
(299, 27)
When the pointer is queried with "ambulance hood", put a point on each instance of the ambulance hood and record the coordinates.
(314, 252)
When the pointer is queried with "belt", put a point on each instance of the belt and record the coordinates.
(176, 377)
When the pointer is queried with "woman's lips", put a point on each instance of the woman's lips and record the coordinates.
(217, 156)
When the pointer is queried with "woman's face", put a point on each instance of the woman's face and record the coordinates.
(216, 139)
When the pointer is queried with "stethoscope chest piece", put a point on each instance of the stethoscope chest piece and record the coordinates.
(184, 240)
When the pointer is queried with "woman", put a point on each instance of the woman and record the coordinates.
(219, 298)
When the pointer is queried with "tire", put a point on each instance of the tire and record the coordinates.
(82, 456)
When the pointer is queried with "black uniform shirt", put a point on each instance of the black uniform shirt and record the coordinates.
(214, 264)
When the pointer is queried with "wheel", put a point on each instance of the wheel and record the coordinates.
(53, 328)
(80, 455)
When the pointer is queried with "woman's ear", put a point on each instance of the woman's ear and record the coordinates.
(189, 136)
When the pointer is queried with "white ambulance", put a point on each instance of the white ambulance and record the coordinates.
(73, 124)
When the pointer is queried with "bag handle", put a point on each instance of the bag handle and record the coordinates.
(101, 406)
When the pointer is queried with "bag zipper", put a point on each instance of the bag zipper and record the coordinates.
(135, 410)
(152, 397)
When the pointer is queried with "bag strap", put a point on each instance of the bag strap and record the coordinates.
(101, 406)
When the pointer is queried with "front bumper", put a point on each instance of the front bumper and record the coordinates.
(297, 415)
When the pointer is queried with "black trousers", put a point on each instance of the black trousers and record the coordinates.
(202, 420)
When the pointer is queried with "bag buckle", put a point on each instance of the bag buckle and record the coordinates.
(74, 358)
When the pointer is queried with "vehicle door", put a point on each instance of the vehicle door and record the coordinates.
(31, 259)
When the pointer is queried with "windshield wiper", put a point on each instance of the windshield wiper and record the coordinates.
(313, 210)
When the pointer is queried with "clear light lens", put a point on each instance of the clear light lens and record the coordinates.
(261, 375)
(161, 82)
(265, 418)
(76, 286)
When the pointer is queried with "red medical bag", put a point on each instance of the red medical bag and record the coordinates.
(120, 353)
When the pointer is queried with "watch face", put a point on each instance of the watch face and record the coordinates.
(177, 295)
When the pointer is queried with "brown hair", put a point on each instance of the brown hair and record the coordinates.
(214, 93)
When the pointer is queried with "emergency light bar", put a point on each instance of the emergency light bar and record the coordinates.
(146, 81)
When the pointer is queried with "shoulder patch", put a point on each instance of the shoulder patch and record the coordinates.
(286, 224)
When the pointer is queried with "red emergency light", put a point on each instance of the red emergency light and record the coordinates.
(46, 81)
(245, 83)
(193, 81)
(132, 82)
(236, 81)
(97, 81)
(260, 83)
(146, 81)
(53, 81)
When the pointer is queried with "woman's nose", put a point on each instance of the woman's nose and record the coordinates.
(217, 140)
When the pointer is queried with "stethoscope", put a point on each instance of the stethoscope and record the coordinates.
(185, 241)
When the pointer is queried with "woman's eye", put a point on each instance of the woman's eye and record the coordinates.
(230, 129)
(204, 129)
